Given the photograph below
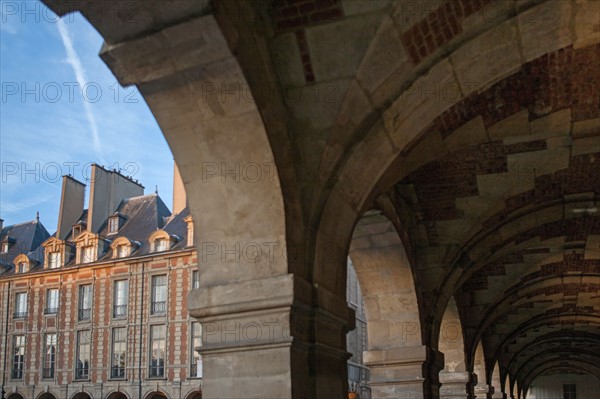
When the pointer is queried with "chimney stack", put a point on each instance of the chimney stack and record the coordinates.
(107, 190)
(71, 205)
(179, 195)
(1, 224)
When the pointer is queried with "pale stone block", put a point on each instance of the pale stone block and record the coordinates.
(452, 231)
(587, 145)
(385, 55)
(541, 162)
(514, 125)
(587, 23)
(355, 107)
(587, 128)
(337, 48)
(554, 124)
(471, 133)
(427, 98)
(352, 7)
(315, 107)
(504, 184)
(286, 57)
(545, 28)
(488, 58)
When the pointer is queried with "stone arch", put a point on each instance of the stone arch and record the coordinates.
(159, 394)
(385, 276)
(496, 382)
(118, 395)
(455, 378)
(81, 395)
(15, 395)
(195, 394)
(47, 395)
(478, 367)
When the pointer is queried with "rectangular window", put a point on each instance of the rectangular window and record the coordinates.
(54, 260)
(196, 366)
(122, 251)
(159, 294)
(21, 267)
(195, 280)
(157, 351)
(85, 302)
(569, 391)
(5, 246)
(18, 357)
(121, 292)
(51, 301)
(113, 225)
(49, 356)
(161, 245)
(87, 254)
(82, 366)
(20, 305)
(119, 345)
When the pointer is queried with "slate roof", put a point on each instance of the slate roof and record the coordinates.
(142, 216)
(27, 237)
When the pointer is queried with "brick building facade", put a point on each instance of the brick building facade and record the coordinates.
(99, 309)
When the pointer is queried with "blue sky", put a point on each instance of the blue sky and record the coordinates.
(62, 109)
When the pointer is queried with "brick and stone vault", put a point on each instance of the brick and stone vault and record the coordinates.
(451, 148)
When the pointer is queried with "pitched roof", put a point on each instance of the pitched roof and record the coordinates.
(142, 216)
(177, 226)
(27, 238)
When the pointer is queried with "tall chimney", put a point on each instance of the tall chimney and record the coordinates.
(107, 190)
(1, 224)
(179, 196)
(71, 205)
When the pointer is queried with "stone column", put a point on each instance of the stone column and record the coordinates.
(409, 372)
(457, 385)
(277, 337)
(495, 393)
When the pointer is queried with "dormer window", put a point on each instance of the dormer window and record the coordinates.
(123, 247)
(76, 231)
(161, 241)
(54, 260)
(122, 251)
(5, 246)
(160, 245)
(113, 225)
(87, 254)
(23, 263)
(22, 267)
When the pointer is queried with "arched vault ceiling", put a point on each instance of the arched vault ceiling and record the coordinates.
(503, 214)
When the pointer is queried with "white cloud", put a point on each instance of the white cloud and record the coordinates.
(75, 62)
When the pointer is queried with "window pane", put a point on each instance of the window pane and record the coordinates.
(49, 356)
(119, 343)
(157, 351)
(18, 356)
(54, 260)
(52, 301)
(85, 302)
(196, 363)
(159, 294)
(195, 279)
(120, 297)
(21, 305)
(83, 354)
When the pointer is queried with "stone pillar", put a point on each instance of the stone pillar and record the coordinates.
(408, 372)
(495, 393)
(457, 385)
(277, 337)
(482, 390)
